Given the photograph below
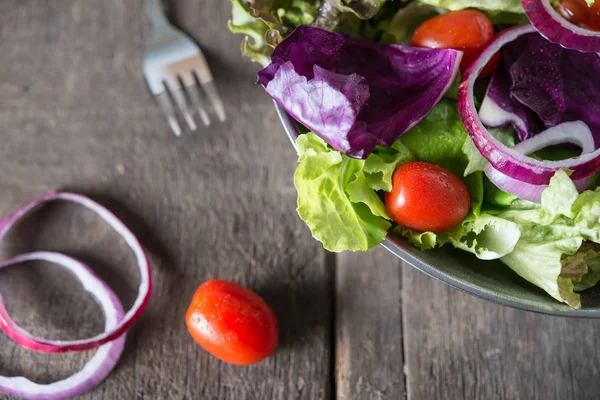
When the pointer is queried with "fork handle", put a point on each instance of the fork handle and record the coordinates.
(155, 12)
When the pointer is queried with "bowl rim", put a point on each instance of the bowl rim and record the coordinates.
(390, 244)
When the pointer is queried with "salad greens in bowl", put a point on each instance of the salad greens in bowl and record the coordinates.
(462, 135)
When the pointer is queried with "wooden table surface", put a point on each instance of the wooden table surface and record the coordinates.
(220, 203)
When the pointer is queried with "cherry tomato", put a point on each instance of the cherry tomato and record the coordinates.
(232, 323)
(579, 13)
(427, 197)
(465, 30)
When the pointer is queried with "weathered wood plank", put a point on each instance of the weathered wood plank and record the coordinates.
(218, 203)
(369, 359)
(462, 347)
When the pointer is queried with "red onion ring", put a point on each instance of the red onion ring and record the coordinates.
(524, 191)
(106, 357)
(576, 133)
(29, 341)
(573, 132)
(558, 30)
(504, 159)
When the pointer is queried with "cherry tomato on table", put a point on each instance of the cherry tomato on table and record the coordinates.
(427, 197)
(232, 323)
(579, 13)
(464, 30)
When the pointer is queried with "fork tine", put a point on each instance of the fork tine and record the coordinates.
(181, 104)
(167, 107)
(208, 85)
(194, 96)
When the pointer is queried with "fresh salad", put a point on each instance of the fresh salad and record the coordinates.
(465, 123)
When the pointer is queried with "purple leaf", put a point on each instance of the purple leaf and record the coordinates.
(353, 93)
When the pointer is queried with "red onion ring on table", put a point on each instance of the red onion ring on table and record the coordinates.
(107, 355)
(558, 30)
(29, 341)
(505, 160)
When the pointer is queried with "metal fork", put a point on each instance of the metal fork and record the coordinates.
(175, 69)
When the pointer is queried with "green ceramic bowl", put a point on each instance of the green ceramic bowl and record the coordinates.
(490, 280)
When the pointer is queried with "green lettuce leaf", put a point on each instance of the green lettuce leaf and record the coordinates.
(266, 22)
(408, 19)
(582, 267)
(254, 45)
(496, 6)
(439, 138)
(382, 163)
(487, 237)
(363, 9)
(539, 262)
(336, 198)
(557, 250)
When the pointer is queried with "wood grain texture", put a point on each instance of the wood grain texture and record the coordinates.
(217, 203)
(462, 347)
(369, 359)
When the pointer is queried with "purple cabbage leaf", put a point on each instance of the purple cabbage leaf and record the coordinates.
(353, 93)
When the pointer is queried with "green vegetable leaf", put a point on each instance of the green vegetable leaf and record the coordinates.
(496, 6)
(583, 267)
(557, 251)
(494, 198)
(254, 44)
(486, 236)
(363, 9)
(439, 138)
(266, 22)
(475, 161)
(358, 191)
(335, 200)
(408, 19)
(382, 163)
(539, 262)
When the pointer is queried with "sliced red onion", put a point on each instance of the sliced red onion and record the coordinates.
(573, 132)
(106, 357)
(504, 159)
(524, 191)
(558, 30)
(29, 341)
(577, 133)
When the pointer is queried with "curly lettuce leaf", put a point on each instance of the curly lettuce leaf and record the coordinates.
(267, 22)
(254, 45)
(336, 199)
(582, 267)
(556, 250)
(487, 237)
(380, 166)
(539, 262)
(331, 11)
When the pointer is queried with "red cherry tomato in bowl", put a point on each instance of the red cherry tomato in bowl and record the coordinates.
(464, 30)
(232, 323)
(580, 13)
(427, 197)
